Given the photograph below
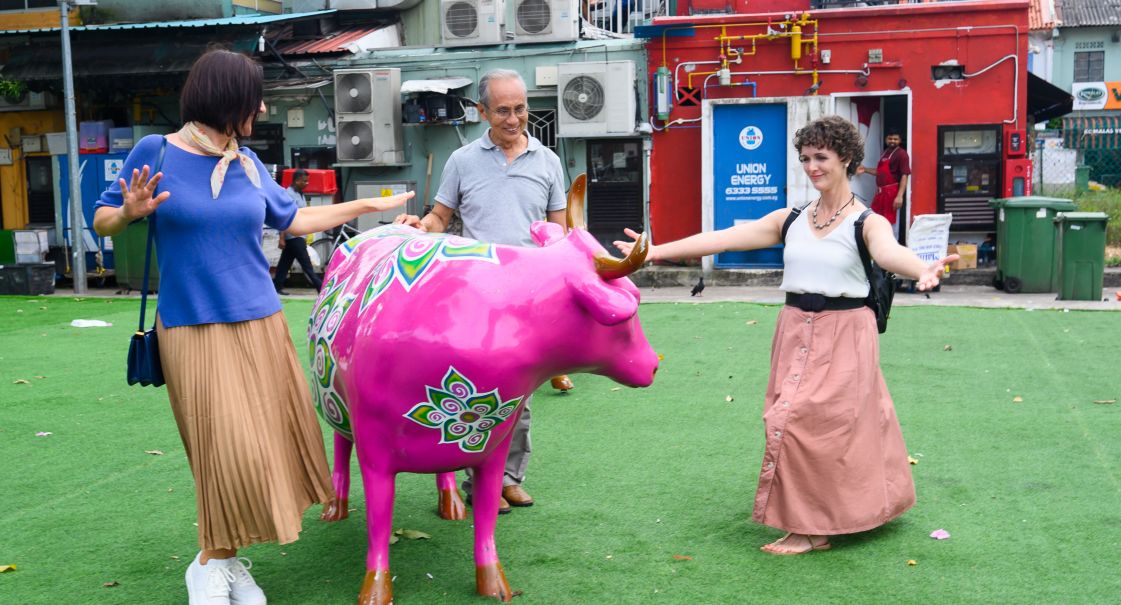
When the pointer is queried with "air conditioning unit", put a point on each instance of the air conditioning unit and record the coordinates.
(473, 22)
(596, 98)
(368, 117)
(30, 102)
(546, 20)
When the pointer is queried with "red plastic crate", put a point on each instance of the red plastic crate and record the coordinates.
(320, 181)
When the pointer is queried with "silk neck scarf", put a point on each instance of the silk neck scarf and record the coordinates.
(191, 133)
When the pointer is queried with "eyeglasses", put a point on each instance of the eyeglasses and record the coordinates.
(506, 112)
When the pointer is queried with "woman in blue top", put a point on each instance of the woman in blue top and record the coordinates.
(236, 387)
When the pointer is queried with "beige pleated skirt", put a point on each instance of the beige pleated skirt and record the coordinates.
(246, 418)
(834, 461)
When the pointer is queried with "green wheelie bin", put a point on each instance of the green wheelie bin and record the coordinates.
(1026, 259)
(128, 252)
(1081, 254)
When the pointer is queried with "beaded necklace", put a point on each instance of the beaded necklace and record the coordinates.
(835, 214)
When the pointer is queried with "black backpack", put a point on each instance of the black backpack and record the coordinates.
(881, 283)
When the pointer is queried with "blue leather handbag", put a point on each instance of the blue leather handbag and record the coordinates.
(144, 349)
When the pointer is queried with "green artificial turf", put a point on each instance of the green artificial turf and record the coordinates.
(644, 496)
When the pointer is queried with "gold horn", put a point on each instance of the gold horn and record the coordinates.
(609, 267)
(576, 202)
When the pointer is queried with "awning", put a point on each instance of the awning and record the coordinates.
(1045, 100)
(352, 40)
(251, 20)
(1092, 132)
(41, 62)
(437, 85)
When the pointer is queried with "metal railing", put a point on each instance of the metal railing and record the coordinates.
(619, 17)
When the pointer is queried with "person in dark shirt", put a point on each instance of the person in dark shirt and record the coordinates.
(892, 173)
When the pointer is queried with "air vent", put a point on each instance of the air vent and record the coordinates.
(354, 93)
(534, 16)
(462, 19)
(356, 141)
(583, 97)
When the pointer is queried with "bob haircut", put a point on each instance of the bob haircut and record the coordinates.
(835, 134)
(222, 91)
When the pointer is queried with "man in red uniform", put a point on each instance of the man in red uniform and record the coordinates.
(892, 173)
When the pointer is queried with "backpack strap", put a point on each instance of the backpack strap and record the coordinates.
(790, 218)
(861, 247)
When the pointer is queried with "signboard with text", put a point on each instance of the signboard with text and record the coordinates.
(1096, 95)
(748, 173)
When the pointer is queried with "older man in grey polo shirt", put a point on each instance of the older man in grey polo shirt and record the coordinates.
(501, 183)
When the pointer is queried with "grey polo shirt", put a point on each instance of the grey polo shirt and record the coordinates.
(498, 201)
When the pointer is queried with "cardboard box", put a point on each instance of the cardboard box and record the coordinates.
(968, 254)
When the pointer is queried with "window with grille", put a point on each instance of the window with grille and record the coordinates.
(1089, 66)
(543, 125)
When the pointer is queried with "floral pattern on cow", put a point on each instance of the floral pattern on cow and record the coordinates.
(462, 414)
(413, 255)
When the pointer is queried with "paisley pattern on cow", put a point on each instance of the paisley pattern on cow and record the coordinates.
(462, 414)
(413, 255)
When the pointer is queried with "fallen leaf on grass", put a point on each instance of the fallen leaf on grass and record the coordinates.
(912, 460)
(729, 399)
(40, 377)
(21, 381)
(912, 562)
(1105, 401)
(1017, 399)
(154, 452)
(44, 434)
(752, 322)
(111, 584)
(412, 534)
(661, 357)
(616, 388)
(393, 539)
(4, 568)
(948, 348)
(940, 534)
(683, 558)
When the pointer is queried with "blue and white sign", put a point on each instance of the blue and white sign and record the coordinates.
(748, 172)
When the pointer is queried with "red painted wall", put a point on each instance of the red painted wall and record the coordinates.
(976, 34)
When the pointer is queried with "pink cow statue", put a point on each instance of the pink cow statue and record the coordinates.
(424, 347)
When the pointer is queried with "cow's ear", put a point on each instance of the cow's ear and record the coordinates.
(545, 233)
(608, 304)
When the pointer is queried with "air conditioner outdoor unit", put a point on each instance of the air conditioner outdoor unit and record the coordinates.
(368, 117)
(546, 20)
(596, 98)
(473, 22)
(31, 101)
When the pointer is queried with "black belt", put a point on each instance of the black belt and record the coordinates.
(818, 302)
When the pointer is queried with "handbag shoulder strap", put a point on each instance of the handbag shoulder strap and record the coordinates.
(861, 247)
(148, 247)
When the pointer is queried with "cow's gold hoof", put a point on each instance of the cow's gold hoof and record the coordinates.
(451, 505)
(335, 510)
(377, 588)
(562, 383)
(490, 581)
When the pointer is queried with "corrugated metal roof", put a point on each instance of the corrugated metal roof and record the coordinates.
(335, 43)
(227, 21)
(1091, 13)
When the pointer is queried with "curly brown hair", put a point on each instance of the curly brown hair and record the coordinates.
(835, 134)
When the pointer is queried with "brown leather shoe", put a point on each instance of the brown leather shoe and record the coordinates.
(516, 496)
(503, 505)
(562, 383)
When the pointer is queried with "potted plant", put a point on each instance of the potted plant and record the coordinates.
(13, 91)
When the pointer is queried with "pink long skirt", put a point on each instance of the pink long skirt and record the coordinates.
(835, 461)
(245, 415)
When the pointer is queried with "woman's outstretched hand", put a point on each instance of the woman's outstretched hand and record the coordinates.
(137, 195)
(932, 275)
(381, 204)
(626, 247)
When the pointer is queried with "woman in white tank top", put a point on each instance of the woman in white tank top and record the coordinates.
(834, 460)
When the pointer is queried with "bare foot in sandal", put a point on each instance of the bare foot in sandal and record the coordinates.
(796, 544)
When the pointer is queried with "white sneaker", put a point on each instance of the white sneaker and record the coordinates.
(209, 584)
(243, 590)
